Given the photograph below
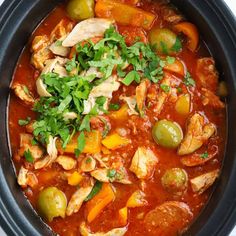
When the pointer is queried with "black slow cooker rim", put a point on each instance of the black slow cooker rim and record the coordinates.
(17, 224)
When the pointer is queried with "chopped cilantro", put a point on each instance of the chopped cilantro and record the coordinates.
(81, 144)
(28, 156)
(179, 90)
(111, 174)
(164, 47)
(170, 60)
(88, 160)
(24, 122)
(58, 43)
(204, 155)
(25, 88)
(96, 189)
(188, 80)
(130, 77)
(114, 106)
(85, 124)
(165, 88)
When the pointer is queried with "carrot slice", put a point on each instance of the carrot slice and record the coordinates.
(190, 30)
(124, 14)
(95, 206)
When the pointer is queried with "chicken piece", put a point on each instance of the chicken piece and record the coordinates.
(61, 30)
(201, 183)
(78, 198)
(68, 163)
(23, 93)
(210, 99)
(26, 178)
(26, 145)
(131, 102)
(39, 42)
(112, 175)
(88, 164)
(160, 221)
(197, 159)
(92, 71)
(114, 232)
(101, 123)
(196, 135)
(143, 163)
(207, 73)
(104, 89)
(141, 93)
(87, 29)
(59, 50)
(162, 95)
(55, 65)
(52, 154)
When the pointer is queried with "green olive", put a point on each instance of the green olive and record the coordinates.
(80, 9)
(51, 203)
(163, 40)
(167, 133)
(175, 180)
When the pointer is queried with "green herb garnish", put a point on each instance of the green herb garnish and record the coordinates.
(96, 189)
(188, 80)
(24, 122)
(28, 156)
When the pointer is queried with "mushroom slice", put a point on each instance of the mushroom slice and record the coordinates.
(78, 198)
(160, 221)
(68, 163)
(201, 183)
(58, 49)
(143, 163)
(87, 29)
(141, 93)
(114, 232)
(23, 93)
(197, 133)
(210, 99)
(41, 88)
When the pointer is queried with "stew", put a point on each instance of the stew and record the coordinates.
(117, 123)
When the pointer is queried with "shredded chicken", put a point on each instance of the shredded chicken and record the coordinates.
(68, 163)
(114, 232)
(207, 73)
(23, 93)
(141, 93)
(104, 89)
(100, 174)
(203, 182)
(143, 163)
(131, 102)
(210, 99)
(196, 135)
(78, 198)
(26, 178)
(87, 29)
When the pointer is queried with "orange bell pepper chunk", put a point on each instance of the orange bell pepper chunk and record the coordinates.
(177, 67)
(95, 206)
(123, 216)
(190, 30)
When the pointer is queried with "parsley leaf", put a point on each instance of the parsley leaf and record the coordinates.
(81, 144)
(165, 88)
(96, 189)
(85, 125)
(188, 80)
(24, 122)
(28, 156)
(114, 106)
(204, 155)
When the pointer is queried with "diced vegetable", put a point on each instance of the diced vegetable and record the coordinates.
(105, 150)
(80, 9)
(99, 202)
(176, 67)
(167, 133)
(137, 199)
(51, 203)
(121, 114)
(182, 105)
(123, 216)
(175, 180)
(164, 40)
(124, 14)
(115, 141)
(92, 143)
(75, 178)
(190, 30)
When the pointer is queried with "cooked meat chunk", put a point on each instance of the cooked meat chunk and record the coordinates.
(203, 182)
(26, 178)
(23, 93)
(88, 164)
(207, 73)
(197, 134)
(143, 163)
(210, 99)
(67, 163)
